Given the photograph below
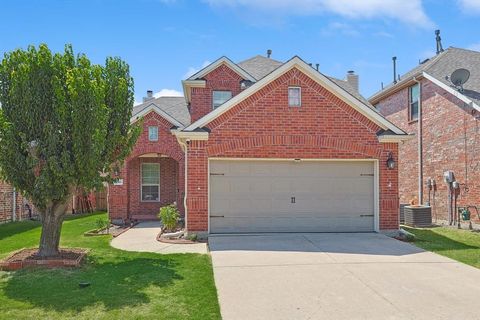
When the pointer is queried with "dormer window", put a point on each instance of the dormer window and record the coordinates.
(220, 97)
(294, 96)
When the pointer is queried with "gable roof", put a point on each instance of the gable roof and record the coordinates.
(173, 109)
(328, 83)
(222, 60)
(439, 67)
(259, 66)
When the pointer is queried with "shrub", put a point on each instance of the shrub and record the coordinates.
(169, 216)
(102, 224)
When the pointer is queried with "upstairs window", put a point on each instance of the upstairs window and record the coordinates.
(220, 97)
(152, 133)
(414, 97)
(150, 182)
(294, 96)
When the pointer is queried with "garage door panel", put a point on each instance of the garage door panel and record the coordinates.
(256, 196)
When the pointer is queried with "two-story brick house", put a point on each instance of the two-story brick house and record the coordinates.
(445, 121)
(263, 146)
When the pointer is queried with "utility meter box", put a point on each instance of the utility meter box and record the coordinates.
(448, 176)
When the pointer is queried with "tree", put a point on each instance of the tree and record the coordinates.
(64, 125)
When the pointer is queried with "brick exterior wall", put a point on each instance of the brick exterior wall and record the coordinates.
(264, 126)
(222, 78)
(124, 200)
(6, 204)
(451, 141)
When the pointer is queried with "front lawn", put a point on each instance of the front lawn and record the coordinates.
(124, 285)
(460, 245)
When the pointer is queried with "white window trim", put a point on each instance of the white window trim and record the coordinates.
(149, 184)
(149, 133)
(299, 96)
(231, 96)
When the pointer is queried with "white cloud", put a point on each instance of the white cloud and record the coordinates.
(163, 93)
(410, 12)
(168, 93)
(192, 70)
(475, 46)
(335, 28)
(470, 6)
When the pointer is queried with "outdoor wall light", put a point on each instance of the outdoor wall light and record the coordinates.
(390, 161)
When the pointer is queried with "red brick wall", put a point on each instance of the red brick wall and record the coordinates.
(451, 141)
(168, 185)
(6, 203)
(123, 201)
(222, 78)
(265, 126)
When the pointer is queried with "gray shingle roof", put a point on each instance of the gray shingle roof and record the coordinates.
(443, 65)
(176, 107)
(259, 66)
(347, 87)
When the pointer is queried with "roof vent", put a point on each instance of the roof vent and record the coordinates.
(439, 41)
(269, 53)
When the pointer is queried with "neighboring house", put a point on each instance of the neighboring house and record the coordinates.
(448, 117)
(12, 204)
(263, 146)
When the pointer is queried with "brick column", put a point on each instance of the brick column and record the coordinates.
(197, 195)
(389, 200)
(118, 199)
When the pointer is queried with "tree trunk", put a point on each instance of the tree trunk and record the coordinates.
(52, 220)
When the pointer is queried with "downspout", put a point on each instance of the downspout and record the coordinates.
(420, 143)
(14, 205)
(185, 148)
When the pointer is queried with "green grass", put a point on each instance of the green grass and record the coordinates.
(124, 285)
(460, 245)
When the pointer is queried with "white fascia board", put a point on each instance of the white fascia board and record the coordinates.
(187, 84)
(195, 135)
(395, 138)
(315, 75)
(223, 60)
(452, 91)
(153, 108)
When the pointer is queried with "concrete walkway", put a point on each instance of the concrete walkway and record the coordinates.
(339, 276)
(143, 238)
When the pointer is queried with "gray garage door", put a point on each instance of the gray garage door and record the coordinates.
(287, 196)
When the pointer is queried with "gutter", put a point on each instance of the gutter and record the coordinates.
(420, 142)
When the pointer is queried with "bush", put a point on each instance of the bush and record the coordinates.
(169, 216)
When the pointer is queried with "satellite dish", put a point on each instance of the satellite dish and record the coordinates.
(459, 77)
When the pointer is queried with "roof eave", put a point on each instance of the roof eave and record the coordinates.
(377, 97)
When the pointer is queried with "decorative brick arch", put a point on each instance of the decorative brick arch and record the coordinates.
(173, 152)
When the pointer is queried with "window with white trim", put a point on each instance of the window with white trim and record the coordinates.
(414, 97)
(150, 175)
(152, 133)
(294, 96)
(220, 97)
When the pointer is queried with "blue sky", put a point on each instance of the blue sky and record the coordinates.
(166, 40)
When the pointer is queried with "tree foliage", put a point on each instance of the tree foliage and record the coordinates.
(64, 123)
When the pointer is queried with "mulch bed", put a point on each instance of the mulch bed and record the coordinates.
(114, 230)
(71, 257)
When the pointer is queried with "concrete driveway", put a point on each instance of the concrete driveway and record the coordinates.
(339, 276)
